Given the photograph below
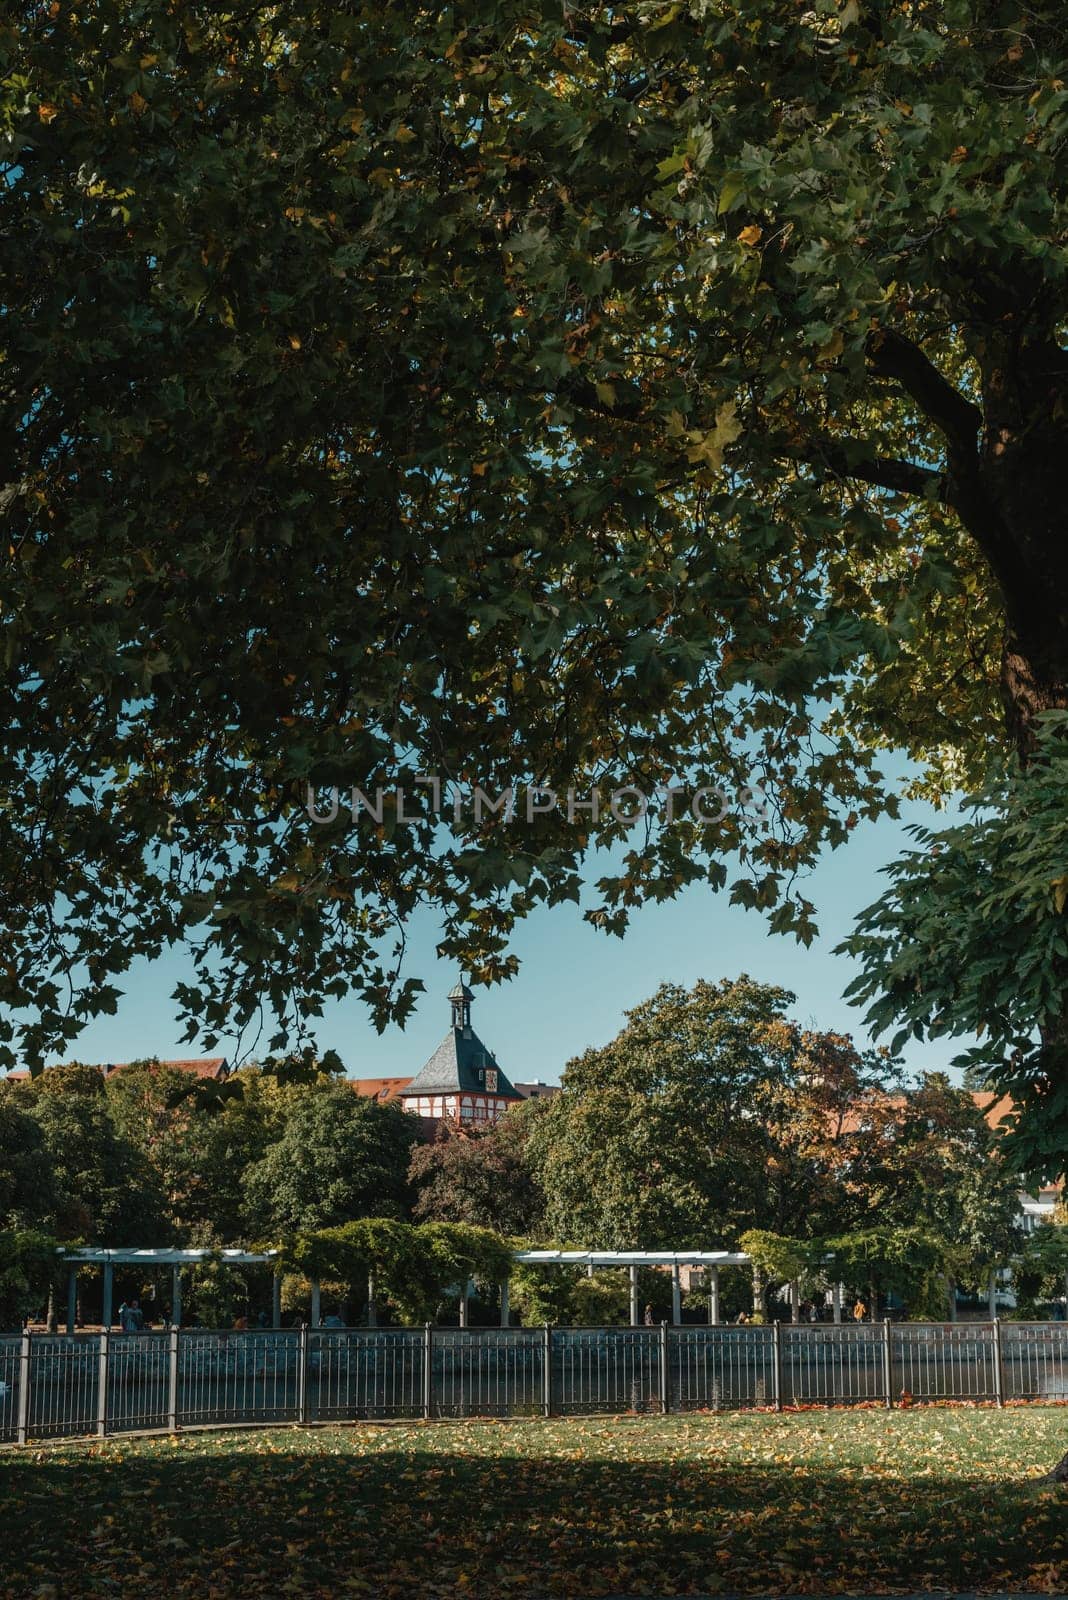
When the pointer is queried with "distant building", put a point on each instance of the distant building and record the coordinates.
(216, 1067)
(537, 1090)
(462, 1080)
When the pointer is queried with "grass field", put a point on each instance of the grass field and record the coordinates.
(813, 1502)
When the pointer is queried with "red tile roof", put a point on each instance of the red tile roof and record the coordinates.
(200, 1066)
(995, 1107)
(380, 1088)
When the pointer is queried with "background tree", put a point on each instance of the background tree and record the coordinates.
(105, 1193)
(711, 1112)
(1040, 1273)
(937, 1166)
(482, 1176)
(198, 1156)
(560, 293)
(339, 1157)
(410, 1267)
(780, 1260)
(910, 1262)
(27, 1186)
(27, 1269)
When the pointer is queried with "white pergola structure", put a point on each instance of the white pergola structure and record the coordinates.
(89, 1256)
(175, 1259)
(592, 1259)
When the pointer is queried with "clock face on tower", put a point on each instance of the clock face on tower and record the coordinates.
(491, 1079)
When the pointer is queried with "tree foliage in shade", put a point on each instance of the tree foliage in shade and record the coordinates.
(199, 1156)
(27, 1269)
(1041, 1270)
(104, 1191)
(27, 1183)
(666, 390)
(907, 1261)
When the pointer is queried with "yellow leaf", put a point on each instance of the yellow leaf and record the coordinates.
(47, 113)
(138, 103)
(480, 468)
(708, 448)
(1060, 893)
(751, 235)
(833, 348)
(294, 341)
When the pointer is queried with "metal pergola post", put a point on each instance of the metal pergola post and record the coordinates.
(504, 1303)
(108, 1295)
(676, 1296)
(713, 1296)
(176, 1296)
(72, 1298)
(635, 1317)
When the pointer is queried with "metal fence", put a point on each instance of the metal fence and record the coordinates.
(71, 1385)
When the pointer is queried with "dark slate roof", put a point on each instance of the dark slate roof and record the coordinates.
(459, 991)
(454, 1066)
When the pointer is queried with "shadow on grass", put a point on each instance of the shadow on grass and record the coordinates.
(283, 1517)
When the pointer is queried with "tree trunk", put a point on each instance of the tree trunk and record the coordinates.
(1027, 690)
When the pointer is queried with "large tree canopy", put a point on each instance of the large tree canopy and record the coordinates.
(338, 1157)
(529, 394)
(710, 1113)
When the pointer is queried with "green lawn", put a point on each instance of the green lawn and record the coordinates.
(813, 1502)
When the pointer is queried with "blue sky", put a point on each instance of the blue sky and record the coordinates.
(574, 983)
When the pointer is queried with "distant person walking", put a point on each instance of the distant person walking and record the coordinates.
(130, 1318)
(860, 1311)
(649, 1322)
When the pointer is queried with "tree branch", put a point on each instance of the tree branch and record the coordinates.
(854, 458)
(891, 355)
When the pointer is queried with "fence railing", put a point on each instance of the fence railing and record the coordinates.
(74, 1385)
